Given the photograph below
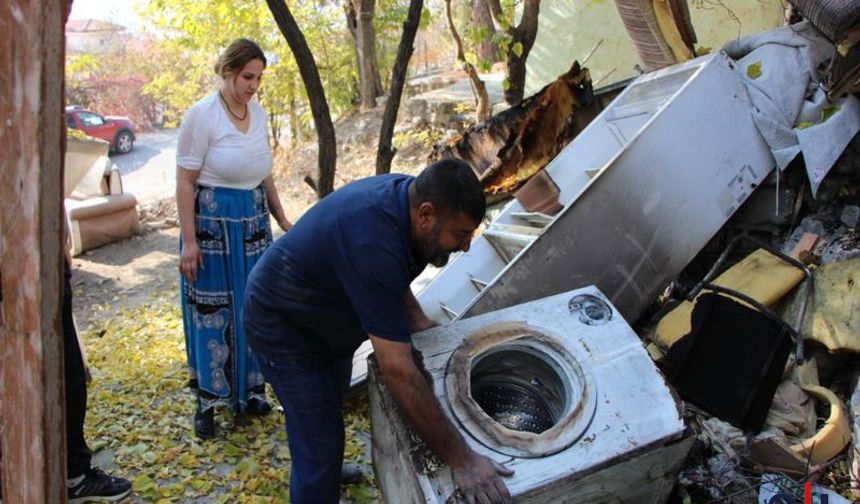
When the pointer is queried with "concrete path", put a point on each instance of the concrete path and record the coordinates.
(149, 170)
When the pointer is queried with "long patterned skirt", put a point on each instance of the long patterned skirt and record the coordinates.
(233, 231)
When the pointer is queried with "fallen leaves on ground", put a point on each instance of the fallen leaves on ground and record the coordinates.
(139, 418)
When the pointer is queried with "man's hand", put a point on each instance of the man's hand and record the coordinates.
(476, 475)
(478, 479)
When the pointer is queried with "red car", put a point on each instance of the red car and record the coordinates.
(118, 131)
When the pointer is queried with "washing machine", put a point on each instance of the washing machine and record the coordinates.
(559, 389)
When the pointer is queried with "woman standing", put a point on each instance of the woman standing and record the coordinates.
(224, 193)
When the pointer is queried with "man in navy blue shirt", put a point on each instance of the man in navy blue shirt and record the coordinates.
(341, 275)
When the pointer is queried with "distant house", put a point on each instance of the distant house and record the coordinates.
(93, 36)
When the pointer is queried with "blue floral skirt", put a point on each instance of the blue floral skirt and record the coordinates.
(233, 231)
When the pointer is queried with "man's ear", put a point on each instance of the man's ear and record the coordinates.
(427, 215)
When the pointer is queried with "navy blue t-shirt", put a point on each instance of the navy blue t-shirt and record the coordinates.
(344, 268)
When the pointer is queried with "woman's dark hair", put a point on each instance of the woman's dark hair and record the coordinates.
(237, 55)
(452, 187)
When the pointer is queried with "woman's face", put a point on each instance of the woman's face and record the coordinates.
(246, 83)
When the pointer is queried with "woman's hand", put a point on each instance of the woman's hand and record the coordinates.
(190, 258)
(284, 224)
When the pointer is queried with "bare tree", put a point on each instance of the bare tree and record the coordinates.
(385, 153)
(359, 15)
(482, 112)
(327, 157)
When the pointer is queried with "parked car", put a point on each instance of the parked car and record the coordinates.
(118, 131)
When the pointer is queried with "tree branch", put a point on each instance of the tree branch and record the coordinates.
(316, 94)
(385, 153)
(482, 100)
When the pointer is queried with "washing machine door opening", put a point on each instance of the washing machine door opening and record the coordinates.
(520, 388)
(517, 390)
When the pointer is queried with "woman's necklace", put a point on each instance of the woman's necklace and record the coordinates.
(231, 110)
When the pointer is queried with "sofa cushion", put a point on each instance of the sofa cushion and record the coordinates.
(80, 209)
(833, 17)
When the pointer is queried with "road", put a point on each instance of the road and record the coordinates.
(149, 170)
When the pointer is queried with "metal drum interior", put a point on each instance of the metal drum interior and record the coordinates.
(519, 388)
(519, 391)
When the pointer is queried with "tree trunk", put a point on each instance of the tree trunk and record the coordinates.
(494, 7)
(385, 153)
(487, 50)
(525, 35)
(377, 78)
(32, 428)
(352, 25)
(327, 156)
(359, 20)
(295, 127)
(482, 112)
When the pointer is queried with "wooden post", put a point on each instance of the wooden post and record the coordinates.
(32, 433)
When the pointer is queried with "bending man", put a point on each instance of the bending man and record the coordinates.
(341, 275)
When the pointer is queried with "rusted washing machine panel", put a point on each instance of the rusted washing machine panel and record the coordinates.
(559, 389)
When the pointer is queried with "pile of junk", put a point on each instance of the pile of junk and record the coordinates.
(668, 309)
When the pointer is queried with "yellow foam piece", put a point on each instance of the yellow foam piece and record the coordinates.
(833, 315)
(833, 437)
(760, 275)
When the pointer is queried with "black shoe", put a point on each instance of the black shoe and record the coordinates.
(350, 474)
(99, 487)
(258, 407)
(204, 423)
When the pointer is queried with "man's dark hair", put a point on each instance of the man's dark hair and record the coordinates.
(452, 186)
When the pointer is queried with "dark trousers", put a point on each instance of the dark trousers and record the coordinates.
(78, 454)
(310, 388)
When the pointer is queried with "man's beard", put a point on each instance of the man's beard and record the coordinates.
(430, 250)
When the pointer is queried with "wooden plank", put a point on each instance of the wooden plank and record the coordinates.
(803, 250)
(31, 107)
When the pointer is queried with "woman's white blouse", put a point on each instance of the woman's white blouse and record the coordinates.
(224, 156)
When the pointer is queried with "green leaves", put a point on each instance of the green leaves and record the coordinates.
(754, 70)
(828, 111)
(517, 49)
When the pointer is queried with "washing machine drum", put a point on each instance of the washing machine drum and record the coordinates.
(518, 391)
(504, 386)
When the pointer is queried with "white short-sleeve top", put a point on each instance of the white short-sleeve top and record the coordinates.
(224, 156)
